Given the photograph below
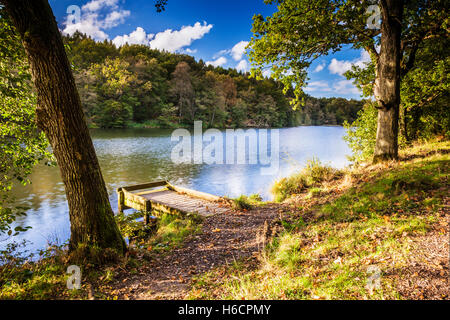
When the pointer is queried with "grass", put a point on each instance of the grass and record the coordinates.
(312, 175)
(161, 234)
(341, 226)
(244, 202)
(23, 277)
(329, 250)
(172, 231)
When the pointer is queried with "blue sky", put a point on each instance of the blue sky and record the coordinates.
(215, 31)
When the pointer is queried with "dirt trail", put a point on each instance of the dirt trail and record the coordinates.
(224, 238)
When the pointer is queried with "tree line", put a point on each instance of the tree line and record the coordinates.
(136, 86)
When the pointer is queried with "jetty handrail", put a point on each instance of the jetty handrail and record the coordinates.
(194, 193)
(144, 186)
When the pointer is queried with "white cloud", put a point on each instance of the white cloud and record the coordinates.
(100, 15)
(341, 66)
(88, 24)
(138, 36)
(175, 40)
(115, 18)
(191, 51)
(238, 50)
(221, 53)
(242, 66)
(92, 23)
(218, 62)
(96, 5)
(345, 87)
(319, 68)
(237, 53)
(320, 85)
(341, 87)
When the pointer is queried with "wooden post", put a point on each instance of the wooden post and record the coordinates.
(148, 210)
(120, 200)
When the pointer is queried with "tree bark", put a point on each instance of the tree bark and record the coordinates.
(387, 86)
(59, 114)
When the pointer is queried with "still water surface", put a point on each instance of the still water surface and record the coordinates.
(136, 156)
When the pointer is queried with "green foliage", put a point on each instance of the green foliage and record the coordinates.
(137, 86)
(361, 134)
(163, 233)
(311, 175)
(113, 114)
(242, 203)
(424, 90)
(132, 227)
(172, 230)
(299, 32)
(22, 145)
(22, 278)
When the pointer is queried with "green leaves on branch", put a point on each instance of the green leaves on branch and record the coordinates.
(22, 144)
(303, 30)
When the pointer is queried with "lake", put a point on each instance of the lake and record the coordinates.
(134, 156)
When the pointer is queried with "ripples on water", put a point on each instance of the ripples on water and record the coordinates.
(141, 155)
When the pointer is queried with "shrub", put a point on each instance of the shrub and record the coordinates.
(361, 134)
(312, 175)
(242, 203)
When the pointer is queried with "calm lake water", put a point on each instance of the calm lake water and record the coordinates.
(137, 156)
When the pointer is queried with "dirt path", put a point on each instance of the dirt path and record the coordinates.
(224, 238)
(428, 273)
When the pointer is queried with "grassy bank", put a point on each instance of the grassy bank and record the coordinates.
(25, 276)
(350, 234)
(371, 232)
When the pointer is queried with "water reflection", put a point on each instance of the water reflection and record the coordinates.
(136, 156)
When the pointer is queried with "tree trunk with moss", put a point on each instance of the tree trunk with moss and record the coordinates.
(387, 87)
(60, 116)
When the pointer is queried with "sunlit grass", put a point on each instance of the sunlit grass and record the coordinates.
(369, 225)
(172, 230)
(312, 175)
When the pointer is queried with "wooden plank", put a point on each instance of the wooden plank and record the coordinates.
(150, 191)
(146, 185)
(194, 193)
(169, 200)
(134, 201)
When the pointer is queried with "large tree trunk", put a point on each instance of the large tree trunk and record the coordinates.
(387, 87)
(60, 116)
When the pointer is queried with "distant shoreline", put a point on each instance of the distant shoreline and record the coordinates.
(220, 128)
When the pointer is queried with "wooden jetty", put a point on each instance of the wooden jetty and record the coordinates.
(164, 197)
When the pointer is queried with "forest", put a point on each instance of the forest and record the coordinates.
(136, 86)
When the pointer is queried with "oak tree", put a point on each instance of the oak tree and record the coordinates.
(60, 116)
(300, 31)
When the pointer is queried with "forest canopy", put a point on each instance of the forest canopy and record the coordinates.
(136, 86)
